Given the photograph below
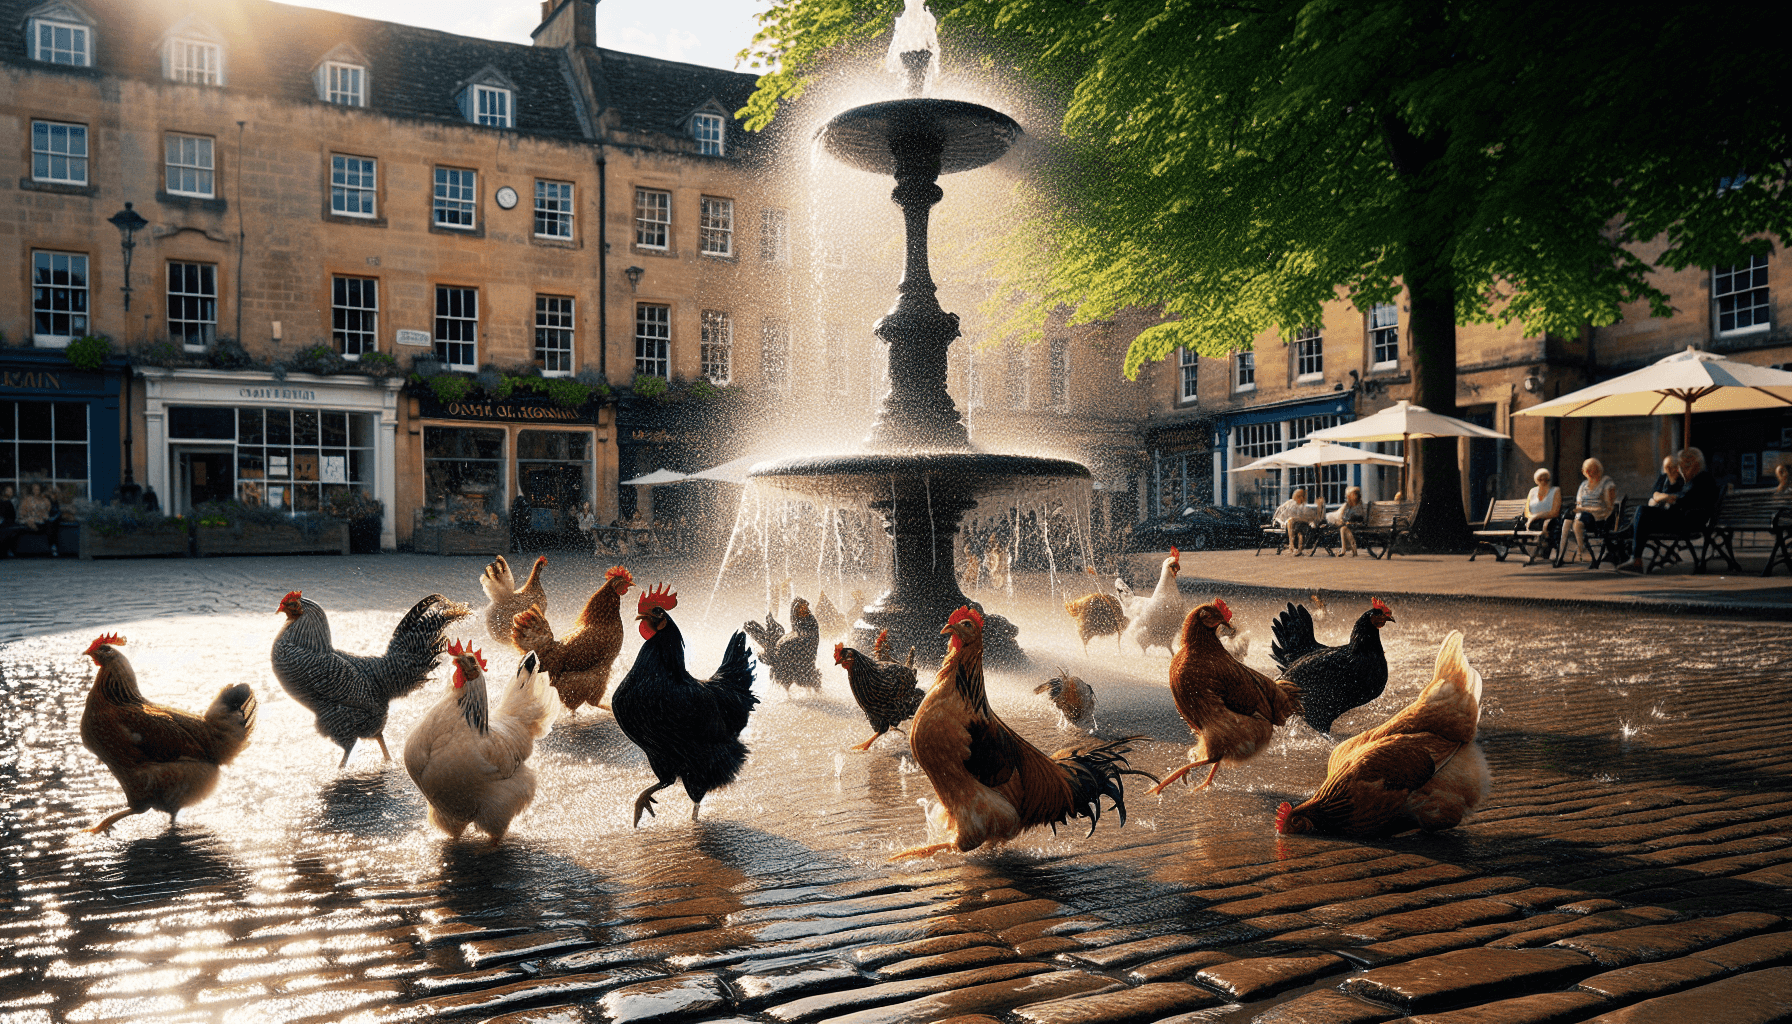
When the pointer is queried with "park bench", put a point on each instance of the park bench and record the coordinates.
(1386, 523)
(1693, 541)
(1752, 511)
(1606, 538)
(1503, 530)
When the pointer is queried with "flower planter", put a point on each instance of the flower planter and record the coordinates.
(452, 540)
(142, 544)
(255, 539)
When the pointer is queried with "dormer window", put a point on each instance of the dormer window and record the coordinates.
(488, 98)
(707, 128)
(61, 42)
(343, 84)
(491, 107)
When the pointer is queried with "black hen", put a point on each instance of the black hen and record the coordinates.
(689, 728)
(885, 690)
(1332, 680)
(790, 656)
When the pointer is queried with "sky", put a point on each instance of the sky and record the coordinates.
(707, 32)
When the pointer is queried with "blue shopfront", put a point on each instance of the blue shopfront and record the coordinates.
(59, 425)
(1250, 434)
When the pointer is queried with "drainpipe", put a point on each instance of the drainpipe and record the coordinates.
(603, 265)
(241, 235)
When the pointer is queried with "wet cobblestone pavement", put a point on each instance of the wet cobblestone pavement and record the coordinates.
(1633, 863)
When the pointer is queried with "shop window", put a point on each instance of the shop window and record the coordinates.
(58, 298)
(193, 304)
(653, 218)
(296, 459)
(653, 341)
(189, 165)
(457, 327)
(718, 346)
(355, 315)
(44, 444)
(61, 42)
(553, 470)
(463, 470)
(59, 152)
(553, 209)
(456, 198)
(1384, 337)
(774, 354)
(1739, 292)
(352, 185)
(715, 236)
(774, 235)
(707, 128)
(553, 334)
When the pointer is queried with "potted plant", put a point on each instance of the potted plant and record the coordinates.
(233, 528)
(130, 531)
(364, 515)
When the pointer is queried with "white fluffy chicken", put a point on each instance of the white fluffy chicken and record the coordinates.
(1156, 620)
(468, 759)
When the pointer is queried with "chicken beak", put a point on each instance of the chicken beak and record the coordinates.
(1227, 629)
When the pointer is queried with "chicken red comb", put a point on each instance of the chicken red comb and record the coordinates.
(1380, 605)
(658, 596)
(1175, 555)
(617, 570)
(455, 648)
(837, 649)
(103, 639)
(966, 612)
(1220, 603)
(1282, 814)
(291, 595)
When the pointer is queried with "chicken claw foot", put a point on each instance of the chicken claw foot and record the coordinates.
(867, 744)
(106, 824)
(921, 851)
(381, 738)
(645, 802)
(1180, 772)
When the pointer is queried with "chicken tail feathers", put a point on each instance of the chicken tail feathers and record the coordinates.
(736, 673)
(419, 639)
(1294, 639)
(232, 719)
(530, 699)
(1096, 772)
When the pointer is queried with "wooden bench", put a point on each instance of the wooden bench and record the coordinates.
(1383, 525)
(1694, 541)
(1752, 511)
(1606, 538)
(1277, 536)
(1503, 530)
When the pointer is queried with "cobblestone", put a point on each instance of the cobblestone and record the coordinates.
(1761, 997)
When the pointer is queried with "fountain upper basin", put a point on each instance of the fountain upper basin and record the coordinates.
(869, 473)
(969, 134)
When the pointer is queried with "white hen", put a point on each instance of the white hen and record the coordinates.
(469, 760)
(1157, 619)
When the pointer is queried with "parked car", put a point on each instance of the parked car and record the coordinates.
(1199, 528)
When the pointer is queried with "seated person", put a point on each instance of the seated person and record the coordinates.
(1593, 503)
(1352, 511)
(1543, 511)
(1669, 484)
(1298, 518)
(1783, 473)
(38, 512)
(1693, 508)
(9, 520)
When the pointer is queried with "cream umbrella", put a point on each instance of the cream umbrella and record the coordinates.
(1693, 380)
(1402, 422)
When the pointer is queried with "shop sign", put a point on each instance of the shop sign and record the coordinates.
(52, 381)
(413, 338)
(509, 410)
(277, 394)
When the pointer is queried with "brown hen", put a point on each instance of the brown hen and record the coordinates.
(579, 666)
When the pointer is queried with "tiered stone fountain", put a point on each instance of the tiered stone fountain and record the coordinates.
(917, 467)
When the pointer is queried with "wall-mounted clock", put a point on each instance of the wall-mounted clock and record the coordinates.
(507, 197)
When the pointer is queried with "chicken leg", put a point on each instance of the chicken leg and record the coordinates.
(644, 802)
(114, 819)
(381, 737)
(867, 744)
(922, 851)
(1184, 770)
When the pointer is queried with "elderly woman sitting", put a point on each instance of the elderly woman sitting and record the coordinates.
(1352, 511)
(1543, 510)
(1691, 509)
(1298, 518)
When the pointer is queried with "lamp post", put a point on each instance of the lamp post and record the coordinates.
(128, 222)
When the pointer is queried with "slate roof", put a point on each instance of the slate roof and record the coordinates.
(653, 95)
(272, 49)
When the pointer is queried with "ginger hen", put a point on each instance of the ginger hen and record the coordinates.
(992, 784)
(469, 759)
(166, 759)
(1097, 615)
(1074, 699)
(1420, 769)
(1232, 708)
(579, 666)
(507, 600)
(689, 728)
(885, 690)
(349, 693)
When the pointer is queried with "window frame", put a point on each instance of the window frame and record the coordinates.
(50, 155)
(329, 90)
(708, 145)
(342, 187)
(649, 201)
(341, 311)
(561, 324)
(710, 228)
(505, 118)
(179, 50)
(447, 202)
(774, 234)
(198, 302)
(1188, 369)
(1244, 372)
(1382, 331)
(1308, 349)
(38, 25)
(209, 168)
(653, 327)
(84, 315)
(546, 211)
(446, 349)
(717, 346)
(1761, 312)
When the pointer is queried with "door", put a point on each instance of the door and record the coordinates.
(1483, 462)
(201, 475)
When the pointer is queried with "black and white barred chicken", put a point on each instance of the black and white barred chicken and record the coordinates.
(885, 690)
(349, 693)
(790, 656)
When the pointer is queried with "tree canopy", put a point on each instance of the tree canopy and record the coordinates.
(1239, 164)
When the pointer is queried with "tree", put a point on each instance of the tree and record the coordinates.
(1240, 164)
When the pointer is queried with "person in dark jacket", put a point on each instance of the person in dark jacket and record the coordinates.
(1691, 509)
(1669, 484)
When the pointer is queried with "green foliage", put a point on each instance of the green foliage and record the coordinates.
(89, 352)
(647, 386)
(378, 364)
(161, 353)
(566, 392)
(702, 391)
(450, 387)
(236, 516)
(125, 520)
(318, 359)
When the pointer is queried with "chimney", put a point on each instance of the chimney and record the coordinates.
(567, 23)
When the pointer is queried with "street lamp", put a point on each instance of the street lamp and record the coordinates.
(634, 276)
(128, 222)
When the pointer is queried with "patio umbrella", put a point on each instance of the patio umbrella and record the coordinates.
(658, 476)
(1693, 380)
(733, 471)
(1318, 453)
(1402, 422)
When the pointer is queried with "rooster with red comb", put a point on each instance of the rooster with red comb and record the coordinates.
(689, 728)
(1232, 709)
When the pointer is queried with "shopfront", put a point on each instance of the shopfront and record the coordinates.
(292, 444)
(1249, 434)
(524, 460)
(59, 426)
